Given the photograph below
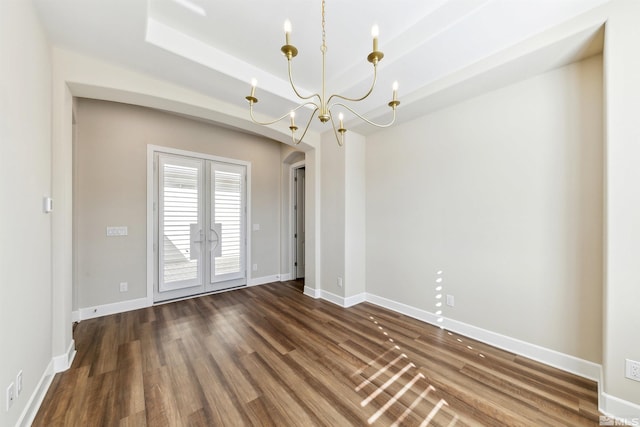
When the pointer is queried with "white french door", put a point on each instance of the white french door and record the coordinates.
(199, 226)
(226, 225)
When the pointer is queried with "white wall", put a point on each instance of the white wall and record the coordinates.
(343, 218)
(25, 178)
(355, 214)
(110, 176)
(312, 218)
(622, 289)
(332, 217)
(503, 193)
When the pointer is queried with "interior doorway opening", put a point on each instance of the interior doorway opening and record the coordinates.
(298, 215)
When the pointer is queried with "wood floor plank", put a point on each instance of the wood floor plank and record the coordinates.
(138, 419)
(61, 404)
(230, 371)
(191, 397)
(223, 404)
(161, 404)
(271, 356)
(130, 381)
(284, 402)
(260, 413)
(323, 381)
(303, 386)
(100, 403)
(270, 333)
(152, 358)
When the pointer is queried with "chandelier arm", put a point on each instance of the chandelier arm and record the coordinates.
(253, 119)
(306, 128)
(339, 139)
(295, 90)
(373, 83)
(385, 125)
(280, 118)
(323, 105)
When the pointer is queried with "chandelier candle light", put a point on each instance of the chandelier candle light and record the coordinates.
(321, 104)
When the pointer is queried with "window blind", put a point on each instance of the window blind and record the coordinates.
(179, 211)
(228, 213)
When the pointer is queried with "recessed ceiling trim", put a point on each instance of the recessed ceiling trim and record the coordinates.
(570, 42)
(168, 38)
(187, 4)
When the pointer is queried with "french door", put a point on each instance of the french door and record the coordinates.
(199, 226)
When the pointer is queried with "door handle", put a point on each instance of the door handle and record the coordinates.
(217, 247)
(195, 233)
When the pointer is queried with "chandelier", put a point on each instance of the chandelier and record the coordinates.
(322, 105)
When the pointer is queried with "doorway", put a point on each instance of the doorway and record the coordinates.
(298, 222)
(199, 233)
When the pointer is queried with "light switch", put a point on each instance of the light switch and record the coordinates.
(256, 227)
(47, 204)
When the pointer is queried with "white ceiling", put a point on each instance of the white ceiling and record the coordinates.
(424, 42)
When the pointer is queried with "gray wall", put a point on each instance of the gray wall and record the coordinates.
(504, 193)
(110, 176)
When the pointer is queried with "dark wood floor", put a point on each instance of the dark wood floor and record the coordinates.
(269, 355)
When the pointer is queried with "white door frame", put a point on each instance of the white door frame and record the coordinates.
(292, 217)
(151, 150)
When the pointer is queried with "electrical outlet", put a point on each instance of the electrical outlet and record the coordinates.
(11, 395)
(18, 383)
(340, 282)
(450, 301)
(255, 267)
(124, 286)
(117, 231)
(632, 370)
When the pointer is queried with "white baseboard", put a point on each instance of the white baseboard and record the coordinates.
(336, 299)
(286, 277)
(328, 296)
(255, 281)
(581, 367)
(114, 308)
(63, 362)
(312, 292)
(56, 364)
(566, 362)
(33, 405)
(405, 309)
(135, 304)
(626, 412)
(355, 299)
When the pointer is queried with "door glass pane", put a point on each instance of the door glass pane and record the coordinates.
(179, 212)
(228, 221)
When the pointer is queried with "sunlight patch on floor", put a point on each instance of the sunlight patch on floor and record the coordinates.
(393, 369)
